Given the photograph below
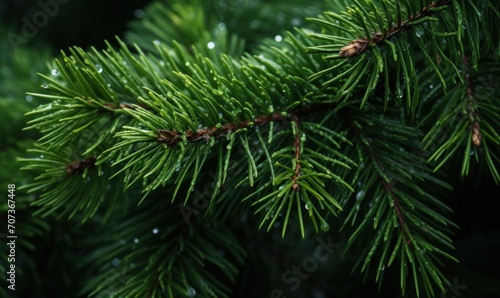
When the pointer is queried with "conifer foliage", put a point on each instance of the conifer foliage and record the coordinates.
(214, 122)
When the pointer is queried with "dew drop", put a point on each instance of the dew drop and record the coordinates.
(311, 10)
(325, 226)
(222, 26)
(270, 109)
(45, 85)
(155, 231)
(136, 240)
(6, 70)
(255, 24)
(419, 31)
(280, 16)
(278, 38)
(382, 267)
(115, 262)
(308, 205)
(211, 45)
(29, 98)
(360, 195)
(296, 22)
(54, 72)
(399, 93)
(99, 68)
(42, 156)
(191, 292)
(138, 13)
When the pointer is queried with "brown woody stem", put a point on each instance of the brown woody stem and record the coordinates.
(471, 106)
(172, 137)
(296, 146)
(388, 186)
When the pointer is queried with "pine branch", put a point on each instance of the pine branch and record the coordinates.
(407, 229)
(358, 46)
(286, 132)
(176, 265)
(63, 178)
(463, 118)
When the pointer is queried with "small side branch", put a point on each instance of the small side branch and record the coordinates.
(399, 210)
(388, 186)
(471, 106)
(359, 46)
(172, 252)
(172, 137)
(297, 146)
